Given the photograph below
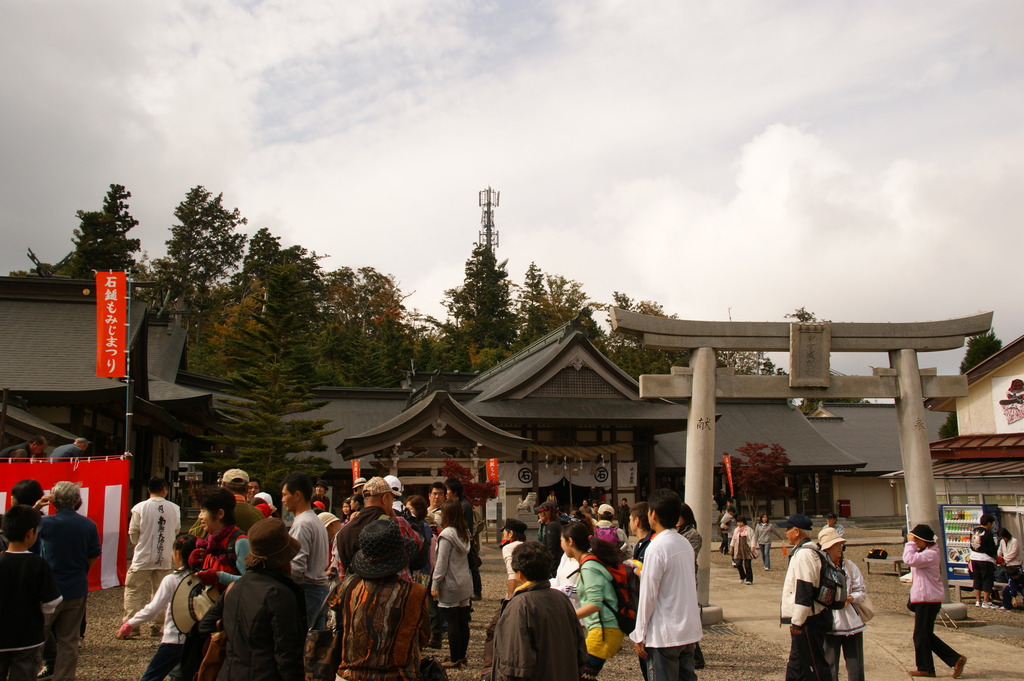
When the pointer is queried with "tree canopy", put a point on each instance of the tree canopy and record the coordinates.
(101, 238)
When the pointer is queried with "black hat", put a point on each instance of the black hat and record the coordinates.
(797, 520)
(383, 551)
(830, 516)
(548, 506)
(922, 531)
(515, 526)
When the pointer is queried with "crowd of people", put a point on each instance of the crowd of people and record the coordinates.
(392, 575)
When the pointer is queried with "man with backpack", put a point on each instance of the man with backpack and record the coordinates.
(668, 623)
(808, 620)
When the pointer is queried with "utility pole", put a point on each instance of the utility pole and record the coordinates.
(488, 199)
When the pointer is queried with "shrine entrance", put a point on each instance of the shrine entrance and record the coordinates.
(810, 346)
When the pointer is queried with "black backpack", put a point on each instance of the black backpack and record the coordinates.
(421, 558)
(832, 591)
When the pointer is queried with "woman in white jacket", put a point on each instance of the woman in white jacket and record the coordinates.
(452, 583)
(743, 548)
(847, 633)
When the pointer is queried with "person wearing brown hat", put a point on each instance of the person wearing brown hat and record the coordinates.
(264, 612)
(382, 620)
(927, 593)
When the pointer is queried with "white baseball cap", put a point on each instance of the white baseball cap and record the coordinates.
(395, 484)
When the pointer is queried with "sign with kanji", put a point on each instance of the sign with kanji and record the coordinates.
(111, 324)
(356, 469)
(492, 470)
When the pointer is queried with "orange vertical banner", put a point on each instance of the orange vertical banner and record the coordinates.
(111, 324)
(492, 470)
(728, 473)
(357, 469)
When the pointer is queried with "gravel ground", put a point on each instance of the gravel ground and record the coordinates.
(730, 654)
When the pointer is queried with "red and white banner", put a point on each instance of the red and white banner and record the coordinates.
(111, 324)
(356, 469)
(492, 470)
(728, 473)
(104, 500)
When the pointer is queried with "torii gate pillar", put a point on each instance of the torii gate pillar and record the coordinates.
(700, 467)
(810, 347)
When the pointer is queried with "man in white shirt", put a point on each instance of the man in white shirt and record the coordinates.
(309, 566)
(154, 525)
(668, 623)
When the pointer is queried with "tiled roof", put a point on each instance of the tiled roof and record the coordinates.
(767, 421)
(54, 349)
(869, 432)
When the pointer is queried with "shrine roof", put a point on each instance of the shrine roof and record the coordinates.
(869, 431)
(50, 351)
(767, 421)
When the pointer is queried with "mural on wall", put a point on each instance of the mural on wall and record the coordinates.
(1008, 402)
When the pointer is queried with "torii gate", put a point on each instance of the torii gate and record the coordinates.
(810, 346)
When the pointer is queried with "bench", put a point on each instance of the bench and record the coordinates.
(967, 587)
(894, 566)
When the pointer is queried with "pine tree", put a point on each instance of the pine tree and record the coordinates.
(482, 325)
(203, 249)
(530, 306)
(272, 384)
(101, 238)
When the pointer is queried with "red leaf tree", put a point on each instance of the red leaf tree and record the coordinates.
(477, 492)
(759, 472)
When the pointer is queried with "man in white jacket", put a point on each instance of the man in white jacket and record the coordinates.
(808, 621)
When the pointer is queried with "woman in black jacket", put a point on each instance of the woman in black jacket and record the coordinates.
(264, 612)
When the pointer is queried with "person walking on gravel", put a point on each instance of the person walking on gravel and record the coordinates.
(926, 595)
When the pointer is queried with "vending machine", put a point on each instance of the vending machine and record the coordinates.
(957, 522)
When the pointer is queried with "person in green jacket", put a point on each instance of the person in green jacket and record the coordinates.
(596, 593)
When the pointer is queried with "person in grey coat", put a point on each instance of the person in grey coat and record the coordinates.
(452, 584)
(537, 631)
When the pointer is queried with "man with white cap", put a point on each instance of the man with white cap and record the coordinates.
(396, 492)
(847, 634)
(808, 621)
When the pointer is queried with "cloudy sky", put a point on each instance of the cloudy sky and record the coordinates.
(722, 158)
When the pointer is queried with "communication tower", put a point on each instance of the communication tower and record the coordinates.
(488, 202)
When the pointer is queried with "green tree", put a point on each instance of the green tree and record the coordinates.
(101, 238)
(203, 249)
(530, 306)
(367, 339)
(979, 348)
(628, 352)
(481, 325)
(272, 382)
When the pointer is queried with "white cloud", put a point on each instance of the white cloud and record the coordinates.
(857, 159)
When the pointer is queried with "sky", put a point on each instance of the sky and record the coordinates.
(725, 159)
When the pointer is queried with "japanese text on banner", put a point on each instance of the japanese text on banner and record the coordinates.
(111, 319)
